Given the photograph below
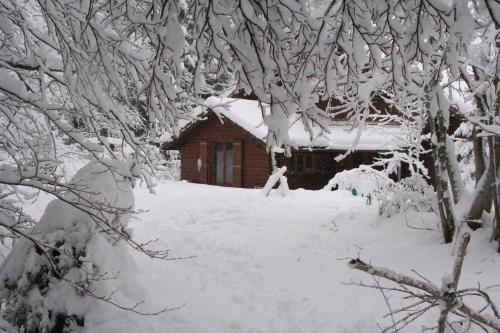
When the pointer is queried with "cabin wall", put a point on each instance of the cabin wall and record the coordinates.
(255, 161)
(321, 168)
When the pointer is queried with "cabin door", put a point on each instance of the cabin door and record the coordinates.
(224, 161)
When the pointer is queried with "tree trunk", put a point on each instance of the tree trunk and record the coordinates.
(481, 194)
(485, 175)
(477, 143)
(480, 166)
(456, 182)
(494, 150)
(438, 141)
(494, 141)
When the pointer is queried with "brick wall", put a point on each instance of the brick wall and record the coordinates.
(255, 161)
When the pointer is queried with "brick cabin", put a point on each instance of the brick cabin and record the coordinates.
(227, 147)
(243, 159)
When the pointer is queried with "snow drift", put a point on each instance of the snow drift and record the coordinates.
(54, 275)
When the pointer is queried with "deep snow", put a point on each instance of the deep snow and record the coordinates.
(278, 264)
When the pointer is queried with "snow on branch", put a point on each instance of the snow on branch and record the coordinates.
(423, 295)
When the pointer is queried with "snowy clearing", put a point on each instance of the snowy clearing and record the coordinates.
(277, 264)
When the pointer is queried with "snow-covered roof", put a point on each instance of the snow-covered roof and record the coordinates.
(249, 115)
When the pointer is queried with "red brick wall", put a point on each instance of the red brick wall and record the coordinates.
(256, 163)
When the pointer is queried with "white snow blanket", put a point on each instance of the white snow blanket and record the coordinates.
(277, 264)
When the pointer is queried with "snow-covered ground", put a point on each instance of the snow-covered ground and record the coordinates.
(278, 264)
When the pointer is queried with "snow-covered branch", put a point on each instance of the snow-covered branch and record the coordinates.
(424, 295)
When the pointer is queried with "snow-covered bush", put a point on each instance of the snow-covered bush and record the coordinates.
(365, 180)
(72, 256)
(411, 193)
(172, 165)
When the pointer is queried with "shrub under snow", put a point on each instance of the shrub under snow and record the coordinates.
(366, 180)
(50, 280)
(411, 193)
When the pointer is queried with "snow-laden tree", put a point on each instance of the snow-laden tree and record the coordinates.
(480, 70)
(411, 52)
(404, 49)
(83, 77)
(71, 71)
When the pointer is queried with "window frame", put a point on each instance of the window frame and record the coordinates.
(302, 159)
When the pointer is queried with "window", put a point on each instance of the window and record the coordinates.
(219, 163)
(308, 163)
(229, 163)
(356, 160)
(300, 164)
(291, 168)
(326, 166)
(224, 163)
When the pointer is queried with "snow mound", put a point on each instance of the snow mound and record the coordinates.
(52, 277)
